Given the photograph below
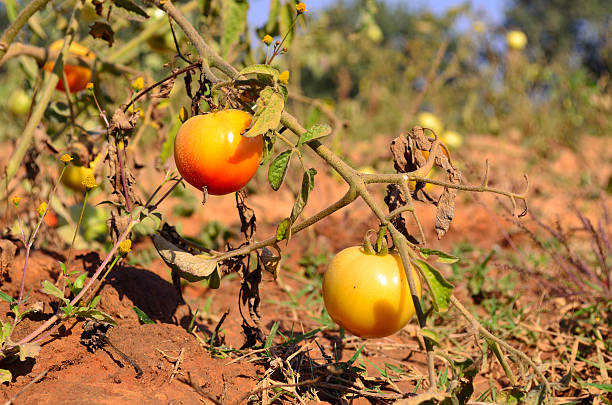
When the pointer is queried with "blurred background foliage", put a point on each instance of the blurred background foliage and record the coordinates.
(375, 65)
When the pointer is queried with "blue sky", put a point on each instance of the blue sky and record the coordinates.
(258, 11)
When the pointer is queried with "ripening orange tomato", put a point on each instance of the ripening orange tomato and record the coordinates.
(368, 294)
(77, 76)
(209, 150)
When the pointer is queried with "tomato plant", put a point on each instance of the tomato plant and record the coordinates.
(367, 294)
(210, 151)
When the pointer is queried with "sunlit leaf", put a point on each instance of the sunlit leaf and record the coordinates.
(442, 256)
(441, 290)
(28, 350)
(267, 116)
(314, 132)
(5, 376)
(142, 316)
(51, 289)
(302, 197)
(260, 70)
(283, 230)
(278, 169)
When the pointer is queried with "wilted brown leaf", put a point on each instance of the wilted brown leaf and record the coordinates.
(102, 30)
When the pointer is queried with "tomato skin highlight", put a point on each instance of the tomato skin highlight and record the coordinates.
(368, 295)
(209, 150)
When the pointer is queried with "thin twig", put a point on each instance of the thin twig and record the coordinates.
(28, 385)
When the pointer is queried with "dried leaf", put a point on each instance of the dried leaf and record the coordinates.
(270, 261)
(7, 254)
(164, 90)
(102, 30)
(122, 121)
(190, 267)
(130, 6)
(28, 350)
(247, 216)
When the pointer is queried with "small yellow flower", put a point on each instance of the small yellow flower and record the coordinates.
(66, 158)
(89, 182)
(16, 200)
(284, 77)
(138, 84)
(89, 86)
(42, 208)
(267, 39)
(125, 247)
(301, 8)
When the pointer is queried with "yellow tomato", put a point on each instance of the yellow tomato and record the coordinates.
(368, 294)
(429, 120)
(452, 139)
(20, 102)
(74, 175)
(516, 39)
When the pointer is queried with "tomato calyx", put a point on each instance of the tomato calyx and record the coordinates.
(381, 248)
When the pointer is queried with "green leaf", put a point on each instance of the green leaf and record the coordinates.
(278, 169)
(431, 335)
(234, 16)
(441, 290)
(355, 356)
(84, 312)
(50, 289)
(190, 267)
(314, 132)
(78, 284)
(214, 280)
(130, 6)
(142, 316)
(6, 297)
(5, 376)
(267, 116)
(302, 197)
(267, 150)
(283, 230)
(5, 331)
(604, 387)
(168, 147)
(272, 334)
(443, 257)
(28, 350)
(266, 70)
(63, 267)
(94, 302)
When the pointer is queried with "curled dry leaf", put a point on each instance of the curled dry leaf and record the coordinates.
(117, 224)
(7, 255)
(190, 267)
(165, 89)
(102, 30)
(123, 121)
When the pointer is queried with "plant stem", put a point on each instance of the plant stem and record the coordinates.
(76, 230)
(75, 300)
(483, 331)
(11, 32)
